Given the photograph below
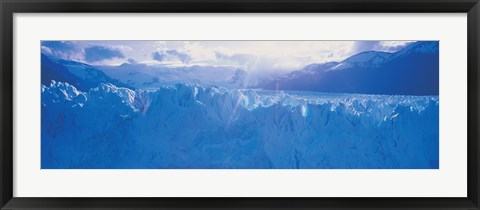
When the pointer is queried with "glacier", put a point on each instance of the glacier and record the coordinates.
(188, 126)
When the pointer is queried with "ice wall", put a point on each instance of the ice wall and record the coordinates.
(188, 126)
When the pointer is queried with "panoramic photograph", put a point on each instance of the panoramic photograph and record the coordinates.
(198, 104)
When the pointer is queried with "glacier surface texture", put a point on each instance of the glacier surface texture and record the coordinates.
(189, 126)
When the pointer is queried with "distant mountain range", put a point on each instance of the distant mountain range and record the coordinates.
(82, 76)
(154, 76)
(411, 71)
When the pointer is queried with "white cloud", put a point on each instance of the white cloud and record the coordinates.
(249, 55)
(197, 52)
(392, 46)
(394, 43)
(170, 56)
(252, 55)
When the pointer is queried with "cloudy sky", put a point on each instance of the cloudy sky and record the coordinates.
(248, 55)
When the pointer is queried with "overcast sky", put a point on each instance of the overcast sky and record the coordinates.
(248, 55)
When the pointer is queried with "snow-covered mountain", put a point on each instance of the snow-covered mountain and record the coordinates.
(148, 76)
(364, 60)
(82, 76)
(190, 126)
(238, 79)
(413, 70)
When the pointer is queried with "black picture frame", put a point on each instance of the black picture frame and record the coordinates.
(9, 7)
